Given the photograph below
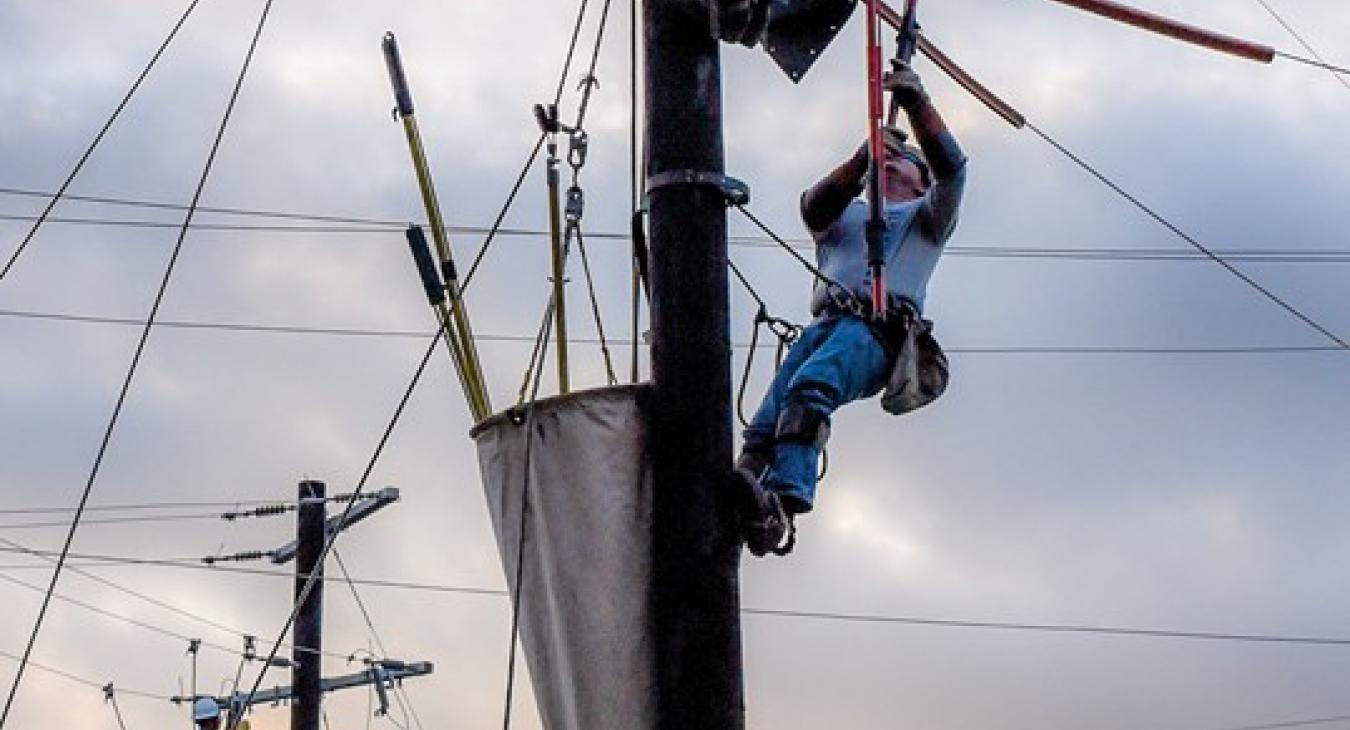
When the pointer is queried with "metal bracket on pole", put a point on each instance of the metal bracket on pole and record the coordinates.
(382, 499)
(390, 671)
(734, 191)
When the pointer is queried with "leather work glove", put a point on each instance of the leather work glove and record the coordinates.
(907, 87)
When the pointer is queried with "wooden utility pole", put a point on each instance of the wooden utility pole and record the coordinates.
(307, 636)
(696, 542)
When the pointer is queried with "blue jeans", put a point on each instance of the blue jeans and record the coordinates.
(836, 360)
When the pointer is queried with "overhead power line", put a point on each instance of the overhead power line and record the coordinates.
(113, 520)
(158, 603)
(136, 357)
(1294, 723)
(1265, 255)
(1048, 628)
(137, 506)
(70, 178)
(1340, 78)
(152, 628)
(302, 595)
(1188, 238)
(843, 617)
(85, 681)
(483, 337)
(217, 210)
(399, 692)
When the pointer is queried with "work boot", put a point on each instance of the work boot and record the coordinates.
(767, 527)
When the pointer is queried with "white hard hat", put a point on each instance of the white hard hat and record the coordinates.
(205, 709)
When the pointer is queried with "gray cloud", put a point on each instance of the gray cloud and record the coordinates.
(1200, 493)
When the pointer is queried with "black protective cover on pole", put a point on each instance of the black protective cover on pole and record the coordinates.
(307, 636)
(696, 540)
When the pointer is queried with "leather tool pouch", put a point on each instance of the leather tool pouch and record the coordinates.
(920, 372)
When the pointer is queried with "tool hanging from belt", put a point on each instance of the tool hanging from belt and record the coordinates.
(449, 306)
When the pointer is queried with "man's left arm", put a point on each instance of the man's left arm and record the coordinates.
(945, 159)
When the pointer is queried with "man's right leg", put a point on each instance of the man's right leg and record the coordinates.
(767, 525)
(848, 365)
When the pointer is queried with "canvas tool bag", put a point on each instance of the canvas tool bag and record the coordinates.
(920, 373)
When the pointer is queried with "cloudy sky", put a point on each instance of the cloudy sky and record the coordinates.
(1191, 492)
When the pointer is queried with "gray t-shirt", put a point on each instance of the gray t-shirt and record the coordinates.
(917, 230)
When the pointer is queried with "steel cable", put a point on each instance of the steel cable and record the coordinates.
(70, 178)
(136, 358)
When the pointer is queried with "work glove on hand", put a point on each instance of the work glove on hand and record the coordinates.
(907, 87)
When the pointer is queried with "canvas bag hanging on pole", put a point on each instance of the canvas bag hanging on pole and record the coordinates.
(578, 464)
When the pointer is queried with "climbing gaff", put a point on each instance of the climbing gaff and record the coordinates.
(547, 118)
(876, 221)
(457, 328)
(435, 291)
(1175, 29)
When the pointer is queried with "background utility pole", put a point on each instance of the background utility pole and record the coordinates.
(696, 543)
(307, 636)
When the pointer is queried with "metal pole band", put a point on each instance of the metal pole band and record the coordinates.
(735, 191)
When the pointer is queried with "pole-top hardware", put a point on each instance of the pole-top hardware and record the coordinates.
(578, 144)
(736, 192)
(546, 116)
(576, 204)
(398, 78)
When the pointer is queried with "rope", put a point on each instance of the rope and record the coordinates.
(1188, 238)
(1136, 202)
(571, 50)
(1306, 46)
(595, 309)
(534, 153)
(821, 276)
(634, 182)
(311, 580)
(419, 334)
(136, 358)
(501, 214)
(520, 545)
(786, 332)
(70, 178)
(1315, 62)
(537, 354)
